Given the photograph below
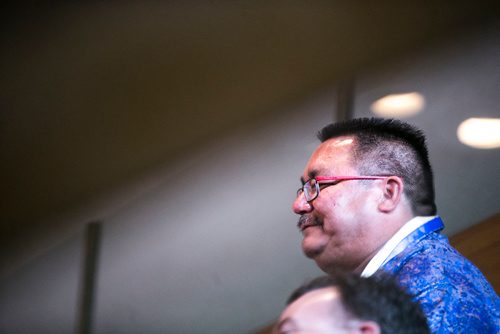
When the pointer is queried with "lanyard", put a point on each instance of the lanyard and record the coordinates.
(412, 232)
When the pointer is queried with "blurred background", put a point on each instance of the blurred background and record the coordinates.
(151, 151)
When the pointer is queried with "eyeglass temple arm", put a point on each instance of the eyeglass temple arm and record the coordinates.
(357, 177)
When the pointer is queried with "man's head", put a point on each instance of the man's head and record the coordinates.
(345, 220)
(351, 304)
(390, 147)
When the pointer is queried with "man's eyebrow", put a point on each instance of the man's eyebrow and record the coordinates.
(311, 174)
(284, 322)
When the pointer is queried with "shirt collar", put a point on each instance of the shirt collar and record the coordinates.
(383, 255)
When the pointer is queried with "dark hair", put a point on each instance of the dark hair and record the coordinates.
(376, 298)
(391, 147)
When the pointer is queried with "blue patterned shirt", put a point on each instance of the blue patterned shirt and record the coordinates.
(453, 293)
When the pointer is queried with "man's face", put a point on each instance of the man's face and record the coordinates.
(338, 222)
(319, 311)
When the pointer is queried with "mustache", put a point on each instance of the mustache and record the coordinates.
(306, 221)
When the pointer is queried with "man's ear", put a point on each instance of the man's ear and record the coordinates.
(392, 193)
(368, 327)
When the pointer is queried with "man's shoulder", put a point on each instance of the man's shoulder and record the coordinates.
(433, 262)
(450, 289)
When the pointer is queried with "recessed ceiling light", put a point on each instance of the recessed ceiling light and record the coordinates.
(399, 105)
(480, 132)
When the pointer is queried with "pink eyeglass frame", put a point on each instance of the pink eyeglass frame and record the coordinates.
(346, 178)
(338, 178)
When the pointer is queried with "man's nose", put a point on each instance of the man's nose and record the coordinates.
(300, 205)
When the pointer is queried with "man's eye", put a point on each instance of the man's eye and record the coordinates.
(330, 183)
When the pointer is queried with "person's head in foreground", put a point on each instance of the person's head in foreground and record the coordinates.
(347, 303)
(366, 179)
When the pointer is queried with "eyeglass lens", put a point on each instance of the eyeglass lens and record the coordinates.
(310, 189)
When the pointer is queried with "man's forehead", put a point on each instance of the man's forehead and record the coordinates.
(336, 144)
(340, 141)
(320, 295)
(313, 298)
(313, 301)
(334, 152)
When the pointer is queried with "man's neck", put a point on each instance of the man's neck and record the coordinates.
(382, 235)
(359, 269)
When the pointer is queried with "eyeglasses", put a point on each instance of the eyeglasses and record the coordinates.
(311, 187)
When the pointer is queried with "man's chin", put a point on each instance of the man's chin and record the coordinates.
(314, 241)
(316, 256)
(312, 250)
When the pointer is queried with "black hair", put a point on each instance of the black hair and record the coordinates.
(391, 147)
(376, 298)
